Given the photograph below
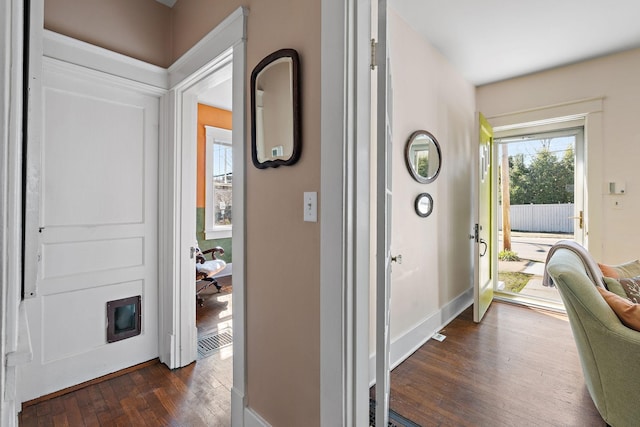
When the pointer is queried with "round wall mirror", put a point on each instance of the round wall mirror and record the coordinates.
(424, 205)
(422, 154)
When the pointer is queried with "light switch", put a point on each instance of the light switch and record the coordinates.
(311, 206)
(618, 187)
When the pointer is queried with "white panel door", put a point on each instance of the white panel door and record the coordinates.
(93, 236)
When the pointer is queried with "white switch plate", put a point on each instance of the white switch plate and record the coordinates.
(310, 206)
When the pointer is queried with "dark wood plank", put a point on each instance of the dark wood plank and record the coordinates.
(90, 382)
(518, 367)
(149, 394)
(89, 405)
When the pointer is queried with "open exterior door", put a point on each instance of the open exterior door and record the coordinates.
(383, 218)
(483, 230)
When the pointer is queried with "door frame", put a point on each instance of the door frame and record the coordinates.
(574, 126)
(178, 333)
(12, 320)
(345, 216)
(589, 112)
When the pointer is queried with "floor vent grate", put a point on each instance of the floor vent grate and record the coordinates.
(395, 419)
(209, 344)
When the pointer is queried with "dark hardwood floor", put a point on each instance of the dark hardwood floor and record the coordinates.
(196, 395)
(216, 311)
(518, 367)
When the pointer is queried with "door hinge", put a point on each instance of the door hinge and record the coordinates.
(476, 232)
(374, 46)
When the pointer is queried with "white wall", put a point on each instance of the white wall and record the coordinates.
(612, 151)
(433, 282)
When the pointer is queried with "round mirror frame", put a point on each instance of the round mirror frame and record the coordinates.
(419, 200)
(409, 161)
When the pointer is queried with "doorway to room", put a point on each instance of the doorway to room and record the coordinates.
(213, 217)
(189, 78)
(540, 202)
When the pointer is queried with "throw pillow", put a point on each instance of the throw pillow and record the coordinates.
(627, 269)
(614, 286)
(627, 312)
(631, 286)
(608, 271)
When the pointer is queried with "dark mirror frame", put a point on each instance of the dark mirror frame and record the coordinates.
(416, 204)
(409, 161)
(297, 145)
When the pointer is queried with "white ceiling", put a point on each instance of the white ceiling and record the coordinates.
(217, 89)
(218, 96)
(493, 40)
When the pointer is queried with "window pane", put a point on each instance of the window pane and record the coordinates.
(222, 183)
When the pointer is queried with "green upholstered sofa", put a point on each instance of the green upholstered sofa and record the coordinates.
(609, 351)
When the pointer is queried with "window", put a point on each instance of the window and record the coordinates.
(219, 183)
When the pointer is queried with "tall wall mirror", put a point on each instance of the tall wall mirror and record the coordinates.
(275, 110)
(423, 156)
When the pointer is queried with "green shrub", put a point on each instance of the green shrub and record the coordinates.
(508, 256)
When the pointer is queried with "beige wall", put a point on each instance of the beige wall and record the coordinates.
(283, 252)
(436, 265)
(614, 237)
(139, 28)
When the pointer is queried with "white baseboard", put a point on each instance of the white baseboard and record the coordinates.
(251, 419)
(241, 415)
(237, 408)
(9, 417)
(403, 346)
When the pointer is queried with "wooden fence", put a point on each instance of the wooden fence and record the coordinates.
(541, 218)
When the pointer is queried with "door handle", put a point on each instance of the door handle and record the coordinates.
(486, 246)
(579, 217)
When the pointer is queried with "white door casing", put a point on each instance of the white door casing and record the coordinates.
(14, 347)
(345, 215)
(383, 218)
(187, 77)
(589, 170)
